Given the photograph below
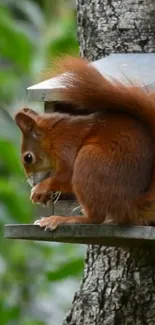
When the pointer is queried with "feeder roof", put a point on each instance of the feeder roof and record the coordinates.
(137, 68)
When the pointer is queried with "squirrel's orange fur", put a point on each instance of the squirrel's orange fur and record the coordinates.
(107, 158)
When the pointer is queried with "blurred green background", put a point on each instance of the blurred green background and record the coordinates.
(37, 280)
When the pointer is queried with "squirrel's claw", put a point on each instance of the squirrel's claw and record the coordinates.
(49, 222)
(37, 222)
(40, 195)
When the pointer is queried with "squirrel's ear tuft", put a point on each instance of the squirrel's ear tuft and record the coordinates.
(26, 121)
(29, 111)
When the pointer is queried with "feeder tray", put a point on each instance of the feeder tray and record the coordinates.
(107, 235)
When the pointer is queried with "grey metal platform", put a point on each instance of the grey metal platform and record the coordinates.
(107, 235)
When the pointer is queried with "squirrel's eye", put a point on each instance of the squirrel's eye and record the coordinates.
(28, 158)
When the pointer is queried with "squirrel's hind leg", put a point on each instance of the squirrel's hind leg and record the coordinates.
(88, 183)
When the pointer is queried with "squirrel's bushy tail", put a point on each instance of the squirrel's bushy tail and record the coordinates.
(86, 88)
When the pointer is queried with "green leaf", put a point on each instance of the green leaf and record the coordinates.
(33, 322)
(14, 43)
(33, 13)
(68, 269)
(14, 196)
(9, 155)
(8, 312)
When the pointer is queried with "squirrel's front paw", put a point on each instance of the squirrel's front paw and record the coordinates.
(50, 222)
(40, 195)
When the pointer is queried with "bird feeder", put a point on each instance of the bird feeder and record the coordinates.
(126, 68)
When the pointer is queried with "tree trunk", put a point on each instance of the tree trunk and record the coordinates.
(106, 26)
(118, 287)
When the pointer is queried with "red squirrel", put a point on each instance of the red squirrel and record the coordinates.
(106, 158)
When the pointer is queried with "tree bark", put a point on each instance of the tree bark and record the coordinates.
(118, 286)
(106, 26)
